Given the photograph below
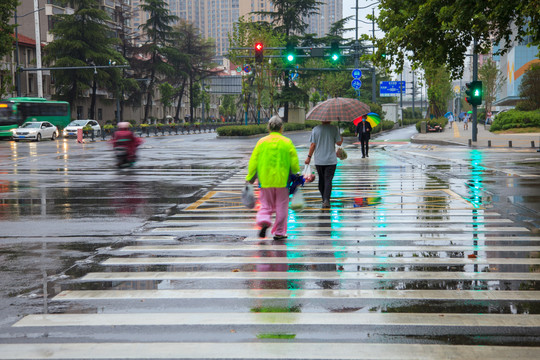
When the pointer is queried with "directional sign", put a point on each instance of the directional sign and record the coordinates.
(356, 83)
(357, 73)
(391, 88)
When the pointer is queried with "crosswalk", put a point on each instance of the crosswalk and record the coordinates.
(400, 267)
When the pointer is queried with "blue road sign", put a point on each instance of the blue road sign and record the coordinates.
(247, 68)
(356, 83)
(391, 88)
(357, 73)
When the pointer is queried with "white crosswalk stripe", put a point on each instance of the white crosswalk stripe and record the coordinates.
(423, 273)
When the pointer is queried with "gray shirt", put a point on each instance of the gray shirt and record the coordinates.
(325, 136)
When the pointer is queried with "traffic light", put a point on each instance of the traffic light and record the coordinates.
(290, 54)
(259, 52)
(474, 93)
(335, 54)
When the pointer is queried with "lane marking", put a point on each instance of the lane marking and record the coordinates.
(482, 295)
(348, 319)
(307, 275)
(323, 248)
(339, 221)
(197, 203)
(380, 260)
(379, 229)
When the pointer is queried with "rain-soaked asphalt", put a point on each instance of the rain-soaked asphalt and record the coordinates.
(426, 249)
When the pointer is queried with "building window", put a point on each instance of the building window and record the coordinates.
(79, 112)
(30, 83)
(100, 114)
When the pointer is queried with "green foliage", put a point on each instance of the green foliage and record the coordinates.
(408, 113)
(529, 89)
(439, 31)
(82, 39)
(7, 9)
(492, 81)
(310, 124)
(439, 88)
(441, 121)
(248, 130)
(228, 106)
(290, 16)
(516, 119)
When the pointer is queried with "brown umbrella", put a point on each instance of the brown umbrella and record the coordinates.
(338, 109)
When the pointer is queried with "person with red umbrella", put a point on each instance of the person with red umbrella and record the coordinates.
(363, 131)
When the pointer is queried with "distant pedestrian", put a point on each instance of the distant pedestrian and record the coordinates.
(466, 122)
(273, 159)
(363, 131)
(324, 139)
(451, 119)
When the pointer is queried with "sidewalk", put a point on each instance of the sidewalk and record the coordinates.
(458, 136)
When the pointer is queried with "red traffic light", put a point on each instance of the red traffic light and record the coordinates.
(259, 49)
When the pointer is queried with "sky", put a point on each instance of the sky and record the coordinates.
(363, 28)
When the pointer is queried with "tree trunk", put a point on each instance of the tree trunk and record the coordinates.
(180, 100)
(190, 98)
(93, 102)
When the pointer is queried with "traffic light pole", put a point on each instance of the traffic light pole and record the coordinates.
(475, 107)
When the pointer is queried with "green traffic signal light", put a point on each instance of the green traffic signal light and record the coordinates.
(290, 57)
(474, 93)
(335, 57)
(334, 51)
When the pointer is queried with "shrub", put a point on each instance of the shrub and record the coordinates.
(442, 121)
(108, 127)
(310, 124)
(241, 130)
(516, 119)
(293, 127)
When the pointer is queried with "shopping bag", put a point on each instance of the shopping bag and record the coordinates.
(248, 196)
(307, 174)
(297, 201)
(295, 180)
(341, 153)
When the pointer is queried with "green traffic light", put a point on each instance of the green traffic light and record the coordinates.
(335, 57)
(290, 58)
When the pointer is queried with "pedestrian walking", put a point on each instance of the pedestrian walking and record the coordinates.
(363, 131)
(451, 119)
(324, 139)
(273, 159)
(466, 122)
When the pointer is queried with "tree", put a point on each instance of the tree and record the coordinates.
(192, 56)
(158, 31)
(289, 17)
(529, 89)
(167, 92)
(440, 31)
(492, 81)
(81, 39)
(439, 88)
(7, 9)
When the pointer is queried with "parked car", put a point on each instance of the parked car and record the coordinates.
(71, 129)
(35, 130)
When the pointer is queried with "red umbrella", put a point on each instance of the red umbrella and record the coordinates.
(338, 109)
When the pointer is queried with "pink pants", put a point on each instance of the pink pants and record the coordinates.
(274, 200)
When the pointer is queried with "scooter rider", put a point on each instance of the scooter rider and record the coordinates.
(124, 137)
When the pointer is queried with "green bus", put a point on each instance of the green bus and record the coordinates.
(16, 111)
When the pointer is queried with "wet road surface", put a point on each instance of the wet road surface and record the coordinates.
(426, 252)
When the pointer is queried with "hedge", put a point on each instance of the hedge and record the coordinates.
(515, 119)
(442, 121)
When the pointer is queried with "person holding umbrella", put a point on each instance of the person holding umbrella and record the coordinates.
(273, 159)
(363, 131)
(324, 139)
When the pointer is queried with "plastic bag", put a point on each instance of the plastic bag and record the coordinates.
(297, 201)
(295, 181)
(307, 174)
(248, 196)
(341, 153)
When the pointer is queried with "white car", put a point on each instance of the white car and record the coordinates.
(71, 129)
(35, 130)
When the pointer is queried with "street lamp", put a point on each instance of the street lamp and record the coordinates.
(38, 43)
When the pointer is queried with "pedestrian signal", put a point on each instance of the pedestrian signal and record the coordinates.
(474, 93)
(335, 54)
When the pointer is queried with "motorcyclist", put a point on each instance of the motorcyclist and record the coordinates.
(124, 137)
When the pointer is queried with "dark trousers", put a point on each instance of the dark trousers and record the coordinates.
(326, 175)
(364, 144)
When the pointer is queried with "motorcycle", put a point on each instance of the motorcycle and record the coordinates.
(122, 153)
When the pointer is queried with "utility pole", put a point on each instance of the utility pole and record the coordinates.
(373, 81)
(413, 94)
(475, 107)
(401, 97)
(38, 50)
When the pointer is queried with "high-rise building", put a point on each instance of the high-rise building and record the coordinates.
(215, 18)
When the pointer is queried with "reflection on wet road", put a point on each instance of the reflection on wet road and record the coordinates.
(422, 254)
